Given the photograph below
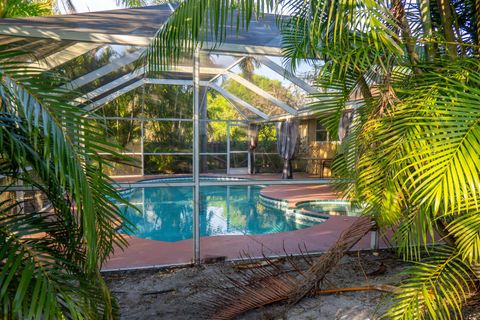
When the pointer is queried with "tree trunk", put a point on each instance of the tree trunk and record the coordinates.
(458, 33)
(477, 23)
(425, 16)
(364, 87)
(406, 34)
(446, 17)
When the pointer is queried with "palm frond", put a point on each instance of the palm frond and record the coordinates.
(415, 232)
(465, 229)
(350, 34)
(442, 113)
(34, 266)
(438, 286)
(196, 22)
(132, 3)
(271, 282)
(47, 143)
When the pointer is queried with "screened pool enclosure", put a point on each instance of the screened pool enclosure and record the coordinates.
(235, 111)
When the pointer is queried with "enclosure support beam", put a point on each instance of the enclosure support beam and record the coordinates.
(174, 82)
(227, 95)
(228, 147)
(63, 56)
(112, 96)
(236, 99)
(203, 125)
(100, 72)
(188, 69)
(236, 62)
(287, 74)
(238, 110)
(109, 86)
(259, 91)
(196, 156)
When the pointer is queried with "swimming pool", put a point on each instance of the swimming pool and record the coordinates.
(165, 213)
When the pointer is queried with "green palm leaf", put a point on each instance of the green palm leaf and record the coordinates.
(466, 230)
(346, 33)
(443, 168)
(53, 146)
(35, 267)
(436, 288)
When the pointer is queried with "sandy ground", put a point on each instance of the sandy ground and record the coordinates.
(178, 293)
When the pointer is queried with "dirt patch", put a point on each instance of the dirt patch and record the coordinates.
(176, 293)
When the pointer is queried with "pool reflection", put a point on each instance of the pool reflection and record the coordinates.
(165, 213)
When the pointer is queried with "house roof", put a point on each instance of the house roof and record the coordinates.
(135, 26)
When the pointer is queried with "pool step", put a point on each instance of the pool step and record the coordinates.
(273, 203)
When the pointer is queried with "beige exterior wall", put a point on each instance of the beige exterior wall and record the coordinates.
(322, 150)
(312, 127)
(315, 156)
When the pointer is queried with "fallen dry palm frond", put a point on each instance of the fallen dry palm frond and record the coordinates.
(327, 261)
(373, 287)
(276, 281)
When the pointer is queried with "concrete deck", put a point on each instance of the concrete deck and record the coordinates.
(318, 238)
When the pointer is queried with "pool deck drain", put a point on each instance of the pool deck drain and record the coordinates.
(143, 253)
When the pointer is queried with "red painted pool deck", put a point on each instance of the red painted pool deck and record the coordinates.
(143, 253)
(298, 193)
(149, 253)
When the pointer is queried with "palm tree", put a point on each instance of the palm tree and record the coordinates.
(248, 66)
(411, 156)
(50, 257)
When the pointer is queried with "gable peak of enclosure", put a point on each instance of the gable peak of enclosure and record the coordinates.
(245, 92)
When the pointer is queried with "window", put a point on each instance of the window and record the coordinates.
(321, 134)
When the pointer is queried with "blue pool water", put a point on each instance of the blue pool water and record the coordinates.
(165, 213)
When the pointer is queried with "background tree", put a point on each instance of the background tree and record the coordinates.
(24, 8)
